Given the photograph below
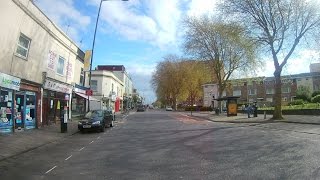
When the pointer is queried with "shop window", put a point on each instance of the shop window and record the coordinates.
(60, 66)
(6, 103)
(94, 85)
(23, 46)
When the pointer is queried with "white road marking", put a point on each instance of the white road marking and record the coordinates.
(50, 169)
(98, 137)
(91, 142)
(68, 158)
(81, 149)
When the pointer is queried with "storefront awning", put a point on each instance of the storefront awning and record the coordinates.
(86, 97)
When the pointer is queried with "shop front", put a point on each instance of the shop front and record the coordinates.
(79, 101)
(55, 95)
(28, 107)
(8, 86)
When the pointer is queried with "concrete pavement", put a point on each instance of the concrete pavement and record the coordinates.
(13, 144)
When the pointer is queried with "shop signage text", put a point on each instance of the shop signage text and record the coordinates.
(10, 82)
(55, 86)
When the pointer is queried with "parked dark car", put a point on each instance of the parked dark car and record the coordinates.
(140, 108)
(96, 120)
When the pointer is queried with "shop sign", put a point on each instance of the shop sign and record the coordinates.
(9, 82)
(79, 90)
(55, 86)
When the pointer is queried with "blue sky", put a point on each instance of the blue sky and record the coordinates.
(139, 33)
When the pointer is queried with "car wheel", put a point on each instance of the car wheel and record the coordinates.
(111, 124)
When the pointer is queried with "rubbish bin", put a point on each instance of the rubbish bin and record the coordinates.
(217, 110)
(63, 118)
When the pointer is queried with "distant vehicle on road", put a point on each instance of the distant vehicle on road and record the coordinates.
(96, 120)
(169, 108)
(140, 108)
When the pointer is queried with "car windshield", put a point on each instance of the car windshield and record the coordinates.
(93, 114)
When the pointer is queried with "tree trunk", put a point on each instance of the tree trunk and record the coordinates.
(277, 113)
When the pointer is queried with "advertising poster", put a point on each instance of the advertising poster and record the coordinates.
(5, 121)
(29, 121)
(18, 118)
(52, 58)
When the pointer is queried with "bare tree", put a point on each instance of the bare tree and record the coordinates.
(280, 26)
(225, 46)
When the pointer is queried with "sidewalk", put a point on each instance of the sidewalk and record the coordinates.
(13, 144)
(243, 118)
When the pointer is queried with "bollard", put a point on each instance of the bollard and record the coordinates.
(265, 114)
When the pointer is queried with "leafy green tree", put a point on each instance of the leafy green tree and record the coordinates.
(226, 47)
(279, 26)
(304, 93)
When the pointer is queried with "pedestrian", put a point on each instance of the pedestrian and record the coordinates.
(249, 110)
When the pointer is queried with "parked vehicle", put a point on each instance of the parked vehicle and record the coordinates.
(169, 108)
(140, 108)
(96, 120)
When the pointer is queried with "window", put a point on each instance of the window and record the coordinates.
(23, 46)
(269, 99)
(60, 66)
(252, 91)
(270, 91)
(285, 90)
(237, 92)
(284, 99)
(82, 77)
(94, 85)
(224, 93)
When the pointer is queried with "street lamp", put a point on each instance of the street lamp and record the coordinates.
(94, 39)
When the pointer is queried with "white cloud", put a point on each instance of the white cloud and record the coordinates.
(64, 13)
(295, 65)
(201, 7)
(153, 21)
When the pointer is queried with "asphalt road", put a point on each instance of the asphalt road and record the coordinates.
(168, 145)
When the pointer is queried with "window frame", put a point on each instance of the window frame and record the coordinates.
(20, 46)
(58, 64)
(94, 85)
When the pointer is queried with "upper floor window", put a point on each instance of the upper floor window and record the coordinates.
(60, 66)
(285, 90)
(94, 85)
(237, 92)
(252, 91)
(23, 46)
(270, 91)
(224, 93)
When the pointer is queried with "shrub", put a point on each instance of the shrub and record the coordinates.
(297, 102)
(195, 108)
(315, 93)
(316, 99)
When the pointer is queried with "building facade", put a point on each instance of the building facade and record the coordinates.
(262, 89)
(39, 66)
(107, 88)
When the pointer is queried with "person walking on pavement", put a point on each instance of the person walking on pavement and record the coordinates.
(249, 110)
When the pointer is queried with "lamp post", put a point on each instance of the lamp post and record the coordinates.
(94, 39)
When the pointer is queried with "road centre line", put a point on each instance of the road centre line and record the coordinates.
(68, 158)
(91, 142)
(81, 149)
(51, 169)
